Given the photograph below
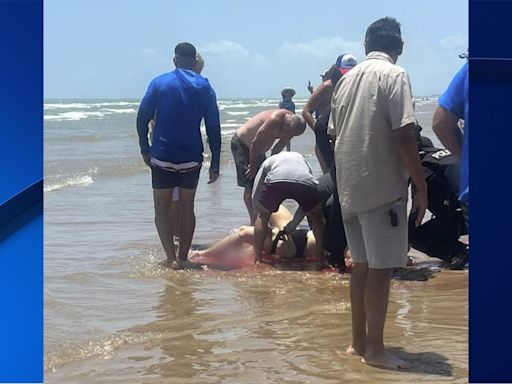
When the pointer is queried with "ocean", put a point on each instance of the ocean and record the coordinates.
(114, 315)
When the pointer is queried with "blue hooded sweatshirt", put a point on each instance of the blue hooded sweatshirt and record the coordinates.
(180, 100)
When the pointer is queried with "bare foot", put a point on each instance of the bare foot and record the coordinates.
(384, 360)
(355, 351)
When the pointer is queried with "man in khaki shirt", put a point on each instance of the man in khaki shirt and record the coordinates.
(373, 120)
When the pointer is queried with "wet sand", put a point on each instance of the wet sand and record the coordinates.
(113, 315)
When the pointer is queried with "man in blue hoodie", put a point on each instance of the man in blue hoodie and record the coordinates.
(179, 99)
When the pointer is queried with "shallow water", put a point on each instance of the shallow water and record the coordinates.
(113, 315)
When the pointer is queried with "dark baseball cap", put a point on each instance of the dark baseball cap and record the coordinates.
(185, 51)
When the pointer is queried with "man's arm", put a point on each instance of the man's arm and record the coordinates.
(408, 151)
(295, 221)
(312, 104)
(446, 128)
(279, 146)
(146, 112)
(449, 111)
(212, 123)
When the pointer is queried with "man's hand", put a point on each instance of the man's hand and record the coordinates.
(147, 159)
(214, 175)
(310, 88)
(251, 172)
(419, 205)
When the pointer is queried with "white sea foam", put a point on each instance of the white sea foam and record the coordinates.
(224, 125)
(227, 132)
(122, 110)
(80, 115)
(50, 106)
(237, 113)
(79, 180)
(73, 116)
(75, 181)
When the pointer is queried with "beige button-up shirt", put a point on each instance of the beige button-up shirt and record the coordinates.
(368, 103)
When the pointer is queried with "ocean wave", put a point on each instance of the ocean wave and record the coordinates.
(227, 132)
(123, 110)
(80, 180)
(80, 115)
(67, 106)
(237, 113)
(50, 106)
(73, 116)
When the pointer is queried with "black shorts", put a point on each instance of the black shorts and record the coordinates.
(162, 179)
(241, 156)
(273, 194)
(323, 141)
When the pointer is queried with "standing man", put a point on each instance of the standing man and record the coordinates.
(252, 140)
(372, 117)
(453, 106)
(180, 99)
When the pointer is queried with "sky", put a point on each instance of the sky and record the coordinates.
(252, 49)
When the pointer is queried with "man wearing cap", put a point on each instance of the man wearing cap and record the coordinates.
(252, 140)
(372, 118)
(180, 99)
(320, 101)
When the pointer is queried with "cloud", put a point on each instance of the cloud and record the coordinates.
(321, 48)
(455, 42)
(231, 53)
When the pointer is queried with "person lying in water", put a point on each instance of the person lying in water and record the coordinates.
(298, 244)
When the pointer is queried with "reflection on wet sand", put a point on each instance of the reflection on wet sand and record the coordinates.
(286, 326)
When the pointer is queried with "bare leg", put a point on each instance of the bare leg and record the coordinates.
(318, 230)
(162, 201)
(357, 289)
(233, 240)
(260, 232)
(248, 204)
(188, 221)
(376, 304)
(175, 213)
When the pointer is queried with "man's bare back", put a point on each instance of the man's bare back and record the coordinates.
(248, 131)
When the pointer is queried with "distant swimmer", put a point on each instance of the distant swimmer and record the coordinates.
(183, 99)
(287, 102)
(252, 140)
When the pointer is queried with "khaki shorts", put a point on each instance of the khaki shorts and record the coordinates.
(373, 240)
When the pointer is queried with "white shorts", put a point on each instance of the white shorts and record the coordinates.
(373, 240)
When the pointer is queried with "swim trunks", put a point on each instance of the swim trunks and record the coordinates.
(241, 156)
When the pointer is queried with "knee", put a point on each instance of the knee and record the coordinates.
(162, 207)
(243, 232)
(187, 207)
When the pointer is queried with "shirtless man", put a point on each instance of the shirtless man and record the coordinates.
(320, 101)
(254, 138)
